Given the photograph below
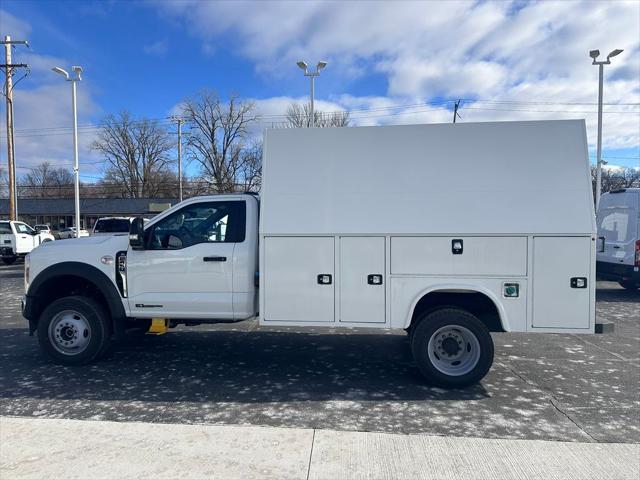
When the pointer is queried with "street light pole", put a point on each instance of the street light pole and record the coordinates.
(312, 75)
(179, 121)
(74, 108)
(594, 54)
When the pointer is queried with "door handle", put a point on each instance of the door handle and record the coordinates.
(214, 259)
(616, 246)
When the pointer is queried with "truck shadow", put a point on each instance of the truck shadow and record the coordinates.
(228, 366)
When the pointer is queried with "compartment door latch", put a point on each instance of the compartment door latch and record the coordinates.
(456, 246)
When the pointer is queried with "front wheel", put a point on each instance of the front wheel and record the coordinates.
(74, 330)
(452, 348)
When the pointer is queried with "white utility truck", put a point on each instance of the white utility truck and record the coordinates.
(447, 231)
(17, 239)
(618, 256)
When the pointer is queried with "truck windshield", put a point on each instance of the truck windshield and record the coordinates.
(112, 225)
(5, 228)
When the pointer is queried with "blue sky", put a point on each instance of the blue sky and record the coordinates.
(383, 56)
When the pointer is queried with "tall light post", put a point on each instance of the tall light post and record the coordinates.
(76, 172)
(312, 75)
(594, 54)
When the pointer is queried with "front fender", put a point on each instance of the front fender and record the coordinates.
(37, 295)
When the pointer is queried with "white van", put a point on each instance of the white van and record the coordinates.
(618, 256)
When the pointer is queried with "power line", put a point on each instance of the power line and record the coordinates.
(265, 118)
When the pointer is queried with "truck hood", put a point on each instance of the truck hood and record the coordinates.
(89, 242)
(84, 249)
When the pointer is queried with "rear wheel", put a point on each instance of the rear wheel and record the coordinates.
(74, 330)
(452, 348)
(9, 260)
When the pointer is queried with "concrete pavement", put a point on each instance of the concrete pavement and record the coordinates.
(74, 449)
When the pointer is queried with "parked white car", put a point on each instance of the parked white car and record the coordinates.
(17, 239)
(70, 232)
(42, 228)
(618, 257)
(112, 226)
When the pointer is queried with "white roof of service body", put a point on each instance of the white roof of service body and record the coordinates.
(465, 178)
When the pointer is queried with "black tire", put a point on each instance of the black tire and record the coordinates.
(629, 285)
(9, 260)
(96, 319)
(432, 322)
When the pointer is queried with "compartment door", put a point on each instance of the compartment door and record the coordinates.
(362, 279)
(556, 302)
(292, 287)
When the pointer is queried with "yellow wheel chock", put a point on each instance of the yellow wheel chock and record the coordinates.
(159, 326)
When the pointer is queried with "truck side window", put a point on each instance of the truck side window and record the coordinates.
(23, 228)
(212, 222)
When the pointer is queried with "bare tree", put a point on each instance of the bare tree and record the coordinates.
(4, 183)
(218, 140)
(137, 155)
(616, 178)
(46, 181)
(300, 116)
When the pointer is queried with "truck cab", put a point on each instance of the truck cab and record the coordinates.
(205, 250)
(194, 263)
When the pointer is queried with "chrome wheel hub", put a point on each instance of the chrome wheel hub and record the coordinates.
(454, 350)
(69, 332)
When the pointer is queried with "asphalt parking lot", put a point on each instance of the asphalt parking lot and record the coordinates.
(553, 387)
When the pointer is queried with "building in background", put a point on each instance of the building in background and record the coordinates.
(58, 213)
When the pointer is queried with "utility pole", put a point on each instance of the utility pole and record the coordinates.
(455, 110)
(9, 69)
(180, 122)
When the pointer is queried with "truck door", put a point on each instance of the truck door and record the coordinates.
(186, 268)
(25, 238)
(562, 286)
(299, 279)
(362, 279)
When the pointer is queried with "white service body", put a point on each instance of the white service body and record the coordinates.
(347, 203)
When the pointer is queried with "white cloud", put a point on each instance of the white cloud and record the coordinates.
(532, 52)
(42, 115)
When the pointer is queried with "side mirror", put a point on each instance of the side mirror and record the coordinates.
(136, 234)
